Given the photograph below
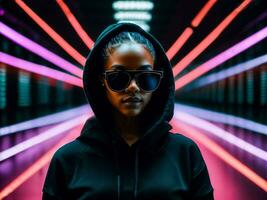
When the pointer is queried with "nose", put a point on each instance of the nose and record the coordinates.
(132, 87)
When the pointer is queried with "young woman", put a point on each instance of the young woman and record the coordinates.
(126, 151)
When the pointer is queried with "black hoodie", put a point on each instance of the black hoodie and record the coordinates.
(99, 164)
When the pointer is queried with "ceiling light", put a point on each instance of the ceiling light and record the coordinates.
(133, 5)
(132, 15)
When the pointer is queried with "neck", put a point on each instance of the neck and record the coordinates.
(128, 127)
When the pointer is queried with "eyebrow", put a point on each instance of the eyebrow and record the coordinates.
(142, 67)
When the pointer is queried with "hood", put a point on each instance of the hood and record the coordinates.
(158, 112)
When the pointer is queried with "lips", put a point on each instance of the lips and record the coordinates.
(132, 100)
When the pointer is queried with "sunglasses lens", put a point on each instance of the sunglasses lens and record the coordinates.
(117, 80)
(149, 81)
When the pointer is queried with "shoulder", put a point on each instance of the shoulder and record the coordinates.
(181, 144)
(177, 138)
(70, 151)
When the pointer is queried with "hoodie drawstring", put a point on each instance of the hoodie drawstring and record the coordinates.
(136, 172)
(117, 168)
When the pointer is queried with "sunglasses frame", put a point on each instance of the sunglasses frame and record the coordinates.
(133, 74)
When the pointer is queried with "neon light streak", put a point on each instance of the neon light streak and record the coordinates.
(220, 152)
(179, 43)
(46, 135)
(209, 39)
(220, 58)
(75, 24)
(202, 13)
(223, 118)
(39, 50)
(181, 40)
(220, 133)
(45, 120)
(40, 163)
(39, 69)
(53, 34)
(231, 71)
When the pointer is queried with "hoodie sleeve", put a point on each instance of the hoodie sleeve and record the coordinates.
(55, 183)
(200, 187)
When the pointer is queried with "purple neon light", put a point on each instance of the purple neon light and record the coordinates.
(46, 120)
(222, 134)
(46, 135)
(234, 70)
(221, 58)
(39, 50)
(2, 12)
(223, 118)
(40, 69)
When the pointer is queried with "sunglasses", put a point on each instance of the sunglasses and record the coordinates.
(119, 80)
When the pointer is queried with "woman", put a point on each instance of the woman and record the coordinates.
(126, 151)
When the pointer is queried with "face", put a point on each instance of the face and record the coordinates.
(129, 56)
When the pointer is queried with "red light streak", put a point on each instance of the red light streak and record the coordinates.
(177, 45)
(75, 24)
(181, 65)
(220, 152)
(53, 34)
(202, 13)
(40, 163)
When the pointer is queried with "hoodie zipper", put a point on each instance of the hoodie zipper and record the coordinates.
(136, 172)
(117, 169)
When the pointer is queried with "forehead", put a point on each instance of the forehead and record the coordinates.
(122, 67)
(130, 55)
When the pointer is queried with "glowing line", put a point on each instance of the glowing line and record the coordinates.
(222, 134)
(39, 69)
(46, 135)
(223, 118)
(75, 24)
(39, 50)
(179, 43)
(202, 13)
(231, 71)
(208, 40)
(44, 121)
(40, 163)
(53, 34)
(220, 58)
(220, 152)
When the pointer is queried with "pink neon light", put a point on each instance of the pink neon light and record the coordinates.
(231, 71)
(40, 69)
(220, 58)
(40, 163)
(179, 42)
(222, 134)
(209, 39)
(39, 50)
(202, 13)
(53, 34)
(220, 152)
(222, 118)
(75, 24)
(45, 120)
(46, 135)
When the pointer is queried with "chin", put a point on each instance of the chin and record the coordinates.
(131, 112)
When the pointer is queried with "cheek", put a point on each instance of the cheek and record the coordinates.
(113, 97)
(147, 98)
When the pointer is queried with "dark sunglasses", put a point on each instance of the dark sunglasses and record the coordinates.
(119, 80)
